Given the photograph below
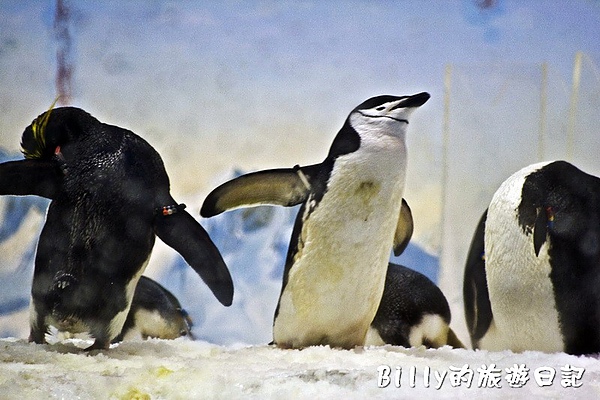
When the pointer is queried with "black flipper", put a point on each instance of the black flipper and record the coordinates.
(540, 230)
(478, 309)
(284, 187)
(29, 177)
(184, 234)
(404, 229)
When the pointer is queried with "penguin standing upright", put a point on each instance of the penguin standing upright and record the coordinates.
(532, 277)
(110, 198)
(352, 214)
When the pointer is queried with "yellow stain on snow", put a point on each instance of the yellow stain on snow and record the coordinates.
(162, 372)
(135, 394)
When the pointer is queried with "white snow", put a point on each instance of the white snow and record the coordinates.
(182, 369)
(270, 83)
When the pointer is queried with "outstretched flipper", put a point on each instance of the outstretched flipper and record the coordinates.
(478, 309)
(184, 234)
(404, 229)
(29, 177)
(284, 187)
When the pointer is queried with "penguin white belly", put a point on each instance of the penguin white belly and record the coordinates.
(336, 282)
(521, 292)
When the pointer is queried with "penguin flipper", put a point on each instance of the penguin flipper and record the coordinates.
(404, 229)
(29, 177)
(478, 309)
(284, 187)
(540, 231)
(184, 234)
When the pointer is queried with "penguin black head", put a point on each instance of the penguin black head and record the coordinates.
(383, 102)
(382, 108)
(375, 118)
(52, 129)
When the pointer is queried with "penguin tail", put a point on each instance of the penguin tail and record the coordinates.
(188, 322)
(454, 341)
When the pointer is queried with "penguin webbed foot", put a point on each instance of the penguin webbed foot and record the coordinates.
(36, 337)
(38, 327)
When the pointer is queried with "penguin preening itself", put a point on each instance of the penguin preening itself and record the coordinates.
(352, 215)
(110, 198)
(413, 312)
(532, 277)
(155, 313)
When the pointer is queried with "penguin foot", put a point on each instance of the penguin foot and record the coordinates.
(36, 339)
(37, 336)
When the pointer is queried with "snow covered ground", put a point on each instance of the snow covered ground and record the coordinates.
(271, 82)
(182, 369)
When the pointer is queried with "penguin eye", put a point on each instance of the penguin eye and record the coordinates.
(380, 108)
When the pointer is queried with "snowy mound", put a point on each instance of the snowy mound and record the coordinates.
(175, 369)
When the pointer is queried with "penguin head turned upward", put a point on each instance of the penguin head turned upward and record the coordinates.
(376, 118)
(52, 129)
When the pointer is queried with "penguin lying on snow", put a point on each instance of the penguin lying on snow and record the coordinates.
(532, 277)
(155, 313)
(413, 312)
(352, 214)
(110, 197)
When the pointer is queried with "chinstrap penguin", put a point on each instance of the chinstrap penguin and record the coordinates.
(352, 215)
(110, 197)
(532, 277)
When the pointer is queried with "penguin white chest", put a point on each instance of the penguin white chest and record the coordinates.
(336, 281)
(520, 289)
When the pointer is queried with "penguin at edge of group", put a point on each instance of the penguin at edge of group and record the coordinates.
(533, 269)
(110, 198)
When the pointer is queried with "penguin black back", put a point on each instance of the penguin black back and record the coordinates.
(110, 197)
(155, 312)
(413, 311)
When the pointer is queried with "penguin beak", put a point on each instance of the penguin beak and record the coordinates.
(416, 100)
